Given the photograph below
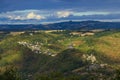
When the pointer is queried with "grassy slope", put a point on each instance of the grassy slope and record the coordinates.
(106, 43)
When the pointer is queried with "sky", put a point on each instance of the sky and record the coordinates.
(46, 11)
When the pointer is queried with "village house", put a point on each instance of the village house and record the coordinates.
(82, 34)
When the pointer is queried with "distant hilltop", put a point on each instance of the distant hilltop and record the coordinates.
(69, 25)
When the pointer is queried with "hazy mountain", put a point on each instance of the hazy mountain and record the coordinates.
(70, 25)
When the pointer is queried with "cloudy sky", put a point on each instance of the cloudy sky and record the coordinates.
(43, 11)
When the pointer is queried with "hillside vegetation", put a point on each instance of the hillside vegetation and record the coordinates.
(48, 55)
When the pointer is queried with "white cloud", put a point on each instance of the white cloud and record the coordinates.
(90, 13)
(32, 15)
(25, 16)
(61, 14)
(16, 17)
(40, 14)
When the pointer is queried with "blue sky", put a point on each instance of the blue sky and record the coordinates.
(43, 11)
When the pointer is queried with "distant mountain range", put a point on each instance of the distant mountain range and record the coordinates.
(70, 25)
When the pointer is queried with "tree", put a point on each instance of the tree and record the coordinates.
(10, 74)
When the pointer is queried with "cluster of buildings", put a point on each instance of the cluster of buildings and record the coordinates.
(86, 33)
(82, 34)
(16, 33)
(91, 58)
(94, 63)
(37, 48)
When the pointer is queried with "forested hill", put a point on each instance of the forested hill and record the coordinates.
(70, 25)
(60, 55)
